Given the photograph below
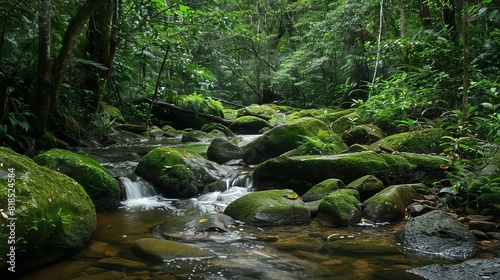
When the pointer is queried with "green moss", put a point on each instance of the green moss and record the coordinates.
(345, 122)
(54, 214)
(424, 141)
(322, 189)
(249, 124)
(297, 172)
(95, 179)
(270, 207)
(281, 139)
(340, 208)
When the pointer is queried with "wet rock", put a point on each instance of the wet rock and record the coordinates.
(221, 151)
(155, 132)
(100, 185)
(122, 262)
(300, 173)
(424, 141)
(55, 216)
(438, 233)
(321, 189)
(211, 223)
(494, 235)
(340, 208)
(198, 136)
(269, 208)
(362, 134)
(479, 234)
(281, 139)
(361, 245)
(481, 225)
(475, 269)
(390, 204)
(212, 127)
(416, 209)
(248, 125)
(367, 186)
(178, 173)
(163, 250)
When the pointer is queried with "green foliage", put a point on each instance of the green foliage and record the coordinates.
(476, 194)
(325, 143)
(103, 125)
(201, 104)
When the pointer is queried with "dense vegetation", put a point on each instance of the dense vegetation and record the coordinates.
(65, 65)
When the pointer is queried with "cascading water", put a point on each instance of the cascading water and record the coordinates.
(217, 201)
(143, 196)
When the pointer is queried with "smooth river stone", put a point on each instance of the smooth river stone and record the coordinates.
(117, 261)
(163, 250)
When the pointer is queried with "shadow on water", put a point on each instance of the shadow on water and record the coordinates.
(243, 252)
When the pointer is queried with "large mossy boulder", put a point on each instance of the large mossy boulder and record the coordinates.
(340, 208)
(248, 125)
(269, 208)
(424, 141)
(178, 173)
(344, 123)
(322, 189)
(100, 185)
(281, 139)
(300, 173)
(222, 150)
(390, 204)
(47, 215)
(438, 233)
(362, 134)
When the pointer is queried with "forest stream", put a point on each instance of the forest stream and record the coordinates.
(245, 252)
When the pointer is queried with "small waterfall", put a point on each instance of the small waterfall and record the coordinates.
(141, 195)
(217, 201)
(138, 189)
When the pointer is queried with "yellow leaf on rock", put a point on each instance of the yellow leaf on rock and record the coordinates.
(202, 220)
(185, 153)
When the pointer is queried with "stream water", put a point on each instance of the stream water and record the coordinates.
(291, 252)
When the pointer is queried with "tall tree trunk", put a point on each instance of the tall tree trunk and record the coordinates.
(425, 14)
(42, 97)
(101, 49)
(50, 75)
(465, 96)
(449, 21)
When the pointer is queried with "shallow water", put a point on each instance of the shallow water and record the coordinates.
(245, 252)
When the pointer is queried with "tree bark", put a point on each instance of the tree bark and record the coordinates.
(101, 49)
(465, 96)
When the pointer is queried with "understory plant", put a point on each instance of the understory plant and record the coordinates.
(324, 143)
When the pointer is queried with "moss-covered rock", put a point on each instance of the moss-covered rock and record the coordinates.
(345, 123)
(50, 214)
(135, 128)
(390, 204)
(178, 173)
(264, 111)
(170, 131)
(340, 208)
(196, 136)
(269, 208)
(221, 151)
(281, 139)
(161, 250)
(425, 141)
(248, 125)
(367, 186)
(302, 172)
(99, 184)
(322, 189)
(155, 132)
(214, 128)
(362, 134)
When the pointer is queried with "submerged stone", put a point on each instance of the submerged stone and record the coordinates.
(160, 250)
(269, 208)
(467, 270)
(54, 216)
